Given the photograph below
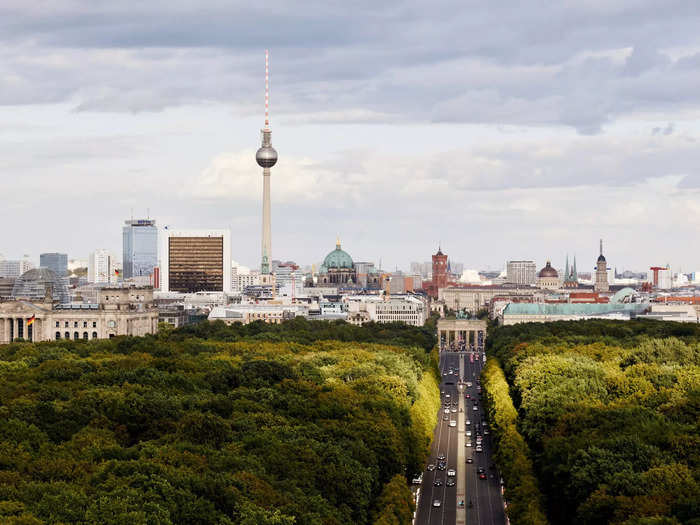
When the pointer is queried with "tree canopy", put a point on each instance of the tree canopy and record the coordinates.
(610, 411)
(300, 423)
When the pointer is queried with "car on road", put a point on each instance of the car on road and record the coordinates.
(451, 472)
(468, 444)
(418, 480)
(479, 449)
(441, 467)
(467, 422)
(447, 411)
(450, 482)
(436, 503)
(470, 460)
(476, 407)
(486, 431)
(454, 410)
(469, 433)
(482, 476)
(469, 384)
(467, 396)
(480, 470)
(453, 423)
(437, 483)
(430, 467)
(445, 418)
(442, 456)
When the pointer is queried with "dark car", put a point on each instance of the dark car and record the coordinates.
(430, 467)
(442, 467)
(482, 476)
(437, 483)
(442, 455)
(450, 482)
(470, 460)
(481, 470)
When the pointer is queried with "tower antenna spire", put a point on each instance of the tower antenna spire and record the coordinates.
(267, 89)
(601, 247)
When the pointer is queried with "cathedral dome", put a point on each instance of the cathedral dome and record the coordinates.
(41, 283)
(548, 271)
(338, 259)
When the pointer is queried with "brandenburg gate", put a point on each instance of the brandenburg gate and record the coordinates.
(470, 332)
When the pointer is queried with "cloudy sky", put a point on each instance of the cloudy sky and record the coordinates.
(499, 130)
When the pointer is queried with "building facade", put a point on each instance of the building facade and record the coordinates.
(100, 267)
(195, 260)
(56, 262)
(548, 278)
(119, 311)
(14, 268)
(140, 248)
(521, 272)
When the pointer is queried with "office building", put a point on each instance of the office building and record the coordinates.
(100, 267)
(521, 272)
(195, 261)
(14, 268)
(56, 262)
(140, 248)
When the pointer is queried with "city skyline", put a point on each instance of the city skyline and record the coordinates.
(516, 148)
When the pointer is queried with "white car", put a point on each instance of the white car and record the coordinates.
(453, 423)
(469, 433)
(447, 411)
(478, 448)
(469, 443)
(476, 407)
(468, 422)
(436, 503)
(469, 384)
(451, 472)
(418, 480)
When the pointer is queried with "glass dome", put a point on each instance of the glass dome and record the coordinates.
(39, 284)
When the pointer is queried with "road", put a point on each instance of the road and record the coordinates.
(485, 495)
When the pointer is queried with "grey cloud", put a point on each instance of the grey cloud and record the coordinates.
(447, 61)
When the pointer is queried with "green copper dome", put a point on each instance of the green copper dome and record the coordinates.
(336, 259)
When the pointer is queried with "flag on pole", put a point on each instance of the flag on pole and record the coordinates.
(31, 320)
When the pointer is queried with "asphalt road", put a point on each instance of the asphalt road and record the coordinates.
(485, 495)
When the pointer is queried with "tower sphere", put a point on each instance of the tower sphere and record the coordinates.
(266, 157)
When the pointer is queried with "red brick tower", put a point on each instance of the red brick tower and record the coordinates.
(439, 270)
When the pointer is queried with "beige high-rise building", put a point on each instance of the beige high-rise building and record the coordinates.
(601, 273)
(521, 272)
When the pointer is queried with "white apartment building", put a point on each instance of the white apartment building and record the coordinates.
(100, 267)
(521, 272)
(14, 269)
(248, 313)
(408, 309)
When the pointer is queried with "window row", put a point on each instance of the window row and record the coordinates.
(76, 335)
(66, 324)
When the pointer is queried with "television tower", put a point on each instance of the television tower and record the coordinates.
(266, 157)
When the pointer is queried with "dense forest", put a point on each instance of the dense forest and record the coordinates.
(610, 412)
(299, 423)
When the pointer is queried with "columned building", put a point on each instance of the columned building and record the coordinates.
(119, 311)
